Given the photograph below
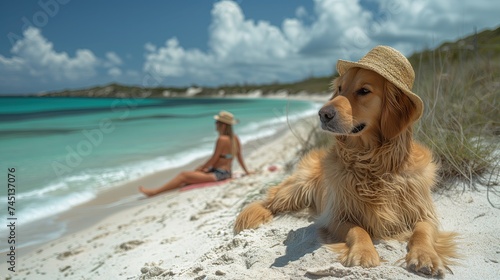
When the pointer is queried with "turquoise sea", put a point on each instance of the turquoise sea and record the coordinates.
(66, 150)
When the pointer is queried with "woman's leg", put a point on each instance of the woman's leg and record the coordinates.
(183, 178)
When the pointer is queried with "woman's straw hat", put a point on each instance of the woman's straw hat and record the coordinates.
(226, 117)
(390, 64)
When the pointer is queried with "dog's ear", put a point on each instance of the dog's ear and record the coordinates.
(397, 112)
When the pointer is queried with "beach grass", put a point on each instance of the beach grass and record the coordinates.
(461, 124)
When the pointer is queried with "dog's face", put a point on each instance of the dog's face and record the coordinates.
(364, 102)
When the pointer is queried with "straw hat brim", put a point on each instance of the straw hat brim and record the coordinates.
(226, 121)
(343, 66)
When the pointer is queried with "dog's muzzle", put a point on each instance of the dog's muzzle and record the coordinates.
(329, 122)
(326, 114)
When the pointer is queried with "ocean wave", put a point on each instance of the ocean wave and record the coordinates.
(36, 209)
(269, 127)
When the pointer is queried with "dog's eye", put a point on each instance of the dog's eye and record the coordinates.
(340, 89)
(363, 91)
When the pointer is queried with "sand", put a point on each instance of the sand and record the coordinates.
(188, 235)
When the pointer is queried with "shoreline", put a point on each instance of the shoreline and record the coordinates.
(111, 201)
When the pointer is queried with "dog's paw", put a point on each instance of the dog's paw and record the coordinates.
(364, 256)
(425, 261)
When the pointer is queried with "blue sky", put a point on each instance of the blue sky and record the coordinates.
(49, 45)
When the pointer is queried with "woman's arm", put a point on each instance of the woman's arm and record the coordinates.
(240, 156)
(215, 156)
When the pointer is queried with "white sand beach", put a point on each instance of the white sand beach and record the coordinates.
(188, 235)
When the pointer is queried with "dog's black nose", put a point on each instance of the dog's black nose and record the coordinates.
(326, 114)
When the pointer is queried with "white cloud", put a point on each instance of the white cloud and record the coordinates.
(150, 47)
(112, 62)
(240, 50)
(36, 63)
(244, 50)
(412, 25)
(301, 12)
(113, 58)
(11, 64)
(35, 55)
(114, 72)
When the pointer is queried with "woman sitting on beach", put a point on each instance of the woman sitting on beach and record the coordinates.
(218, 167)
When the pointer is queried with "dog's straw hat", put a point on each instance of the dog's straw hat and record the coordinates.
(390, 64)
(226, 117)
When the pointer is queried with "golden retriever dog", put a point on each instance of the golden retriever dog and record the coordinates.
(375, 181)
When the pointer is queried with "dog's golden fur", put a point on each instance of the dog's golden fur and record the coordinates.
(374, 182)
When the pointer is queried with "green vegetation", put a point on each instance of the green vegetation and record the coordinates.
(460, 85)
(310, 85)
